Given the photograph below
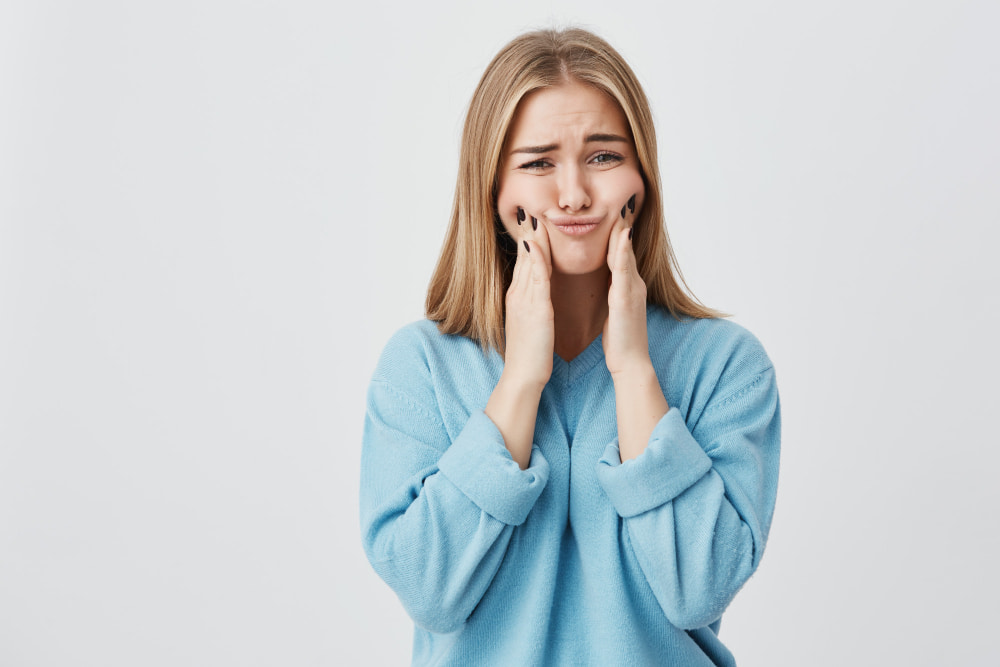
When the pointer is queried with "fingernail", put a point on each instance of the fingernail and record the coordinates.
(526, 246)
(629, 233)
(534, 223)
(623, 212)
(631, 204)
(520, 215)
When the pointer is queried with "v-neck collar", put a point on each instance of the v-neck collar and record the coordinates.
(572, 370)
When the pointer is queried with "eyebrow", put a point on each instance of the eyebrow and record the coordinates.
(591, 138)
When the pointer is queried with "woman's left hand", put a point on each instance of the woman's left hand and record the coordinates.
(639, 399)
(625, 340)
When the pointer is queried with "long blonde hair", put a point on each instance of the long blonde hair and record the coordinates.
(467, 292)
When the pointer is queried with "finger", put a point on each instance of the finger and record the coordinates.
(536, 268)
(621, 222)
(537, 243)
(521, 259)
(625, 258)
(633, 207)
(540, 235)
(519, 262)
(527, 253)
(632, 215)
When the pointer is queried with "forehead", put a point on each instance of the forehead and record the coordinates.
(569, 108)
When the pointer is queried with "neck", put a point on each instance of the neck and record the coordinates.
(580, 303)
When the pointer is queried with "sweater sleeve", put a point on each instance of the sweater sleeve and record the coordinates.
(697, 504)
(437, 515)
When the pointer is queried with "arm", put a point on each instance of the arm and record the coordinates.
(530, 333)
(639, 407)
(436, 515)
(513, 407)
(639, 400)
(697, 505)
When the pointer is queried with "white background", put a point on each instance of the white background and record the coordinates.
(214, 214)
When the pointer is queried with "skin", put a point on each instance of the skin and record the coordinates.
(569, 157)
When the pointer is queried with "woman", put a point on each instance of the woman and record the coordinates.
(570, 462)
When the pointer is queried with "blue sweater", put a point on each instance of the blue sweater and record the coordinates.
(580, 559)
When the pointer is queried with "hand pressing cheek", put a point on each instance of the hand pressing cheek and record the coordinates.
(569, 158)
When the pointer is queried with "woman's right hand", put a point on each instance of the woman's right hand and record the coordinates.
(530, 333)
(530, 322)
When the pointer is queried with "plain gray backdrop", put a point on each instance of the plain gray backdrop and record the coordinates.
(214, 214)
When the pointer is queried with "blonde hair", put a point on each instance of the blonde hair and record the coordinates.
(467, 292)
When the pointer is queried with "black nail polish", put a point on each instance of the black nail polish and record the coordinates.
(623, 212)
(526, 246)
(629, 233)
(534, 223)
(631, 204)
(520, 215)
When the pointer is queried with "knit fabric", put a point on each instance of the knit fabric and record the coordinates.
(580, 559)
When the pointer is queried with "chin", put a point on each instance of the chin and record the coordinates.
(579, 266)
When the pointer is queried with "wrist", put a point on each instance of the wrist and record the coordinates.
(519, 384)
(639, 371)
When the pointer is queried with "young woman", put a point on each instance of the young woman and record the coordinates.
(570, 461)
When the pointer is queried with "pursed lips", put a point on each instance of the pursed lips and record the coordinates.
(576, 221)
(576, 225)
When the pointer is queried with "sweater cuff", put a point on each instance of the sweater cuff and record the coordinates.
(672, 461)
(478, 463)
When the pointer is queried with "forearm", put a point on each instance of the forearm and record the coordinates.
(435, 524)
(513, 407)
(639, 405)
(698, 522)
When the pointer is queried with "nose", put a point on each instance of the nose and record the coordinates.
(574, 190)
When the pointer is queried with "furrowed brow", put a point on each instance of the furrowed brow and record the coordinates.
(605, 137)
(591, 138)
(536, 150)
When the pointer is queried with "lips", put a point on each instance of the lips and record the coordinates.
(576, 226)
(576, 229)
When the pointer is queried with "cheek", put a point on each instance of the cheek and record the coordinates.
(512, 193)
(631, 184)
(617, 186)
(506, 205)
(508, 198)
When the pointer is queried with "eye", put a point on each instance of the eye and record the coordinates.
(607, 157)
(534, 165)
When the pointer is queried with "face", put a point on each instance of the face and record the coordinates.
(570, 162)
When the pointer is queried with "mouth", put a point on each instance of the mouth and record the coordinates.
(576, 226)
